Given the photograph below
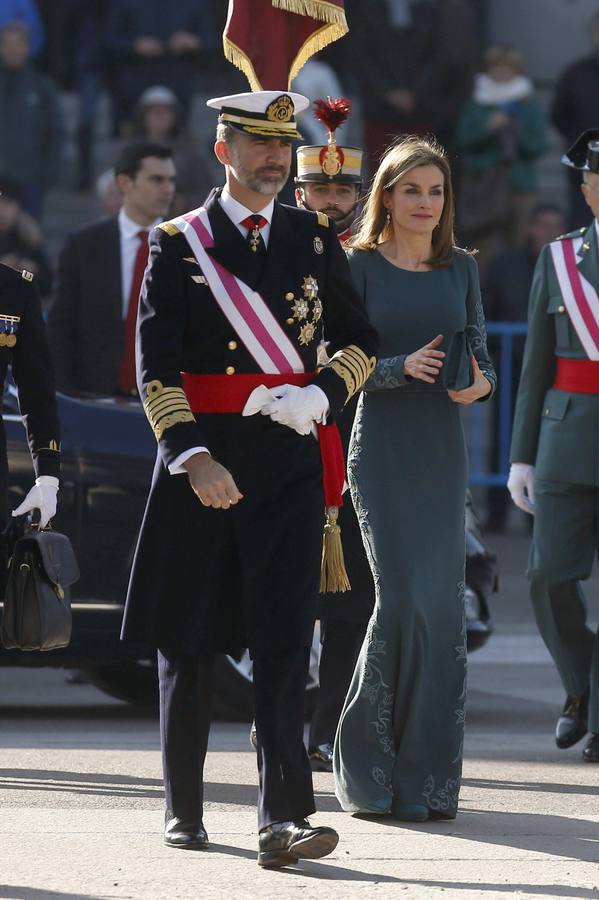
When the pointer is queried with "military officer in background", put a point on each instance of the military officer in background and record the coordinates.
(23, 346)
(329, 176)
(329, 180)
(555, 452)
(233, 308)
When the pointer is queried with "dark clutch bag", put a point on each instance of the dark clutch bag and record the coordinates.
(37, 599)
(457, 371)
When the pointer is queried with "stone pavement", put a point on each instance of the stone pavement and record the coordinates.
(81, 798)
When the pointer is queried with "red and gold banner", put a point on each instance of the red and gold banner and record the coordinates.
(270, 40)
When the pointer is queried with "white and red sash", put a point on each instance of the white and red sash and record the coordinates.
(244, 308)
(580, 297)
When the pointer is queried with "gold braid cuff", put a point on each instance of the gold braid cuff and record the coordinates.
(165, 407)
(169, 228)
(353, 366)
(52, 445)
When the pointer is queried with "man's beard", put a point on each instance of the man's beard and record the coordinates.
(342, 220)
(333, 212)
(267, 186)
(255, 181)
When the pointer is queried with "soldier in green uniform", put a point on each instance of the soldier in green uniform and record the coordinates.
(555, 452)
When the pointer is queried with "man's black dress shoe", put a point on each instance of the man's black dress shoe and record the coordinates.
(572, 724)
(283, 843)
(321, 757)
(184, 835)
(591, 751)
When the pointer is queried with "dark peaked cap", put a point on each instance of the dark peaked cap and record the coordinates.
(584, 152)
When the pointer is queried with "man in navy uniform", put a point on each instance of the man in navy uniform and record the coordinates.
(233, 308)
(555, 452)
(23, 346)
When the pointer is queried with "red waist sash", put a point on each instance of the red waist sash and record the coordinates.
(579, 376)
(228, 394)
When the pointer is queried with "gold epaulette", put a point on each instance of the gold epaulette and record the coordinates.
(353, 366)
(169, 228)
(323, 219)
(27, 276)
(165, 407)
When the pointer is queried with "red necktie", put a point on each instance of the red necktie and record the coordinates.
(127, 380)
(254, 238)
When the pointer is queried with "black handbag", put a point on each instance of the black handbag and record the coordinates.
(37, 598)
(457, 374)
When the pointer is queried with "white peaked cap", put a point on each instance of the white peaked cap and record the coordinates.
(263, 113)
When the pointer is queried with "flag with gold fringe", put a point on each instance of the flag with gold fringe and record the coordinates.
(270, 40)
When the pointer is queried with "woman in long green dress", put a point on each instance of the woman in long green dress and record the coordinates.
(399, 743)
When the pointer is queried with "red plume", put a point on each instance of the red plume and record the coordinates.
(332, 112)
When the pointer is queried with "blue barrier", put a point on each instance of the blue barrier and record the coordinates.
(479, 442)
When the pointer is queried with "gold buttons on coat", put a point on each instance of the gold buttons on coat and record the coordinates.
(289, 296)
(290, 321)
(232, 345)
(561, 309)
(230, 370)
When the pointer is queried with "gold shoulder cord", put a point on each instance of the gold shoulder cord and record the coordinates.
(353, 366)
(165, 407)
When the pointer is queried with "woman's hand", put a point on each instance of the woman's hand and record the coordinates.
(425, 363)
(479, 388)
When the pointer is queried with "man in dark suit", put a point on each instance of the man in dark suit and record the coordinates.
(91, 324)
(232, 312)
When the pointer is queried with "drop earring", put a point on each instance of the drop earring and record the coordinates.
(388, 219)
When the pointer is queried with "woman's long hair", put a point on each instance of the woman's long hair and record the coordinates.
(407, 154)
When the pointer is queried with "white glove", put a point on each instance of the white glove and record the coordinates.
(42, 496)
(257, 400)
(521, 485)
(298, 408)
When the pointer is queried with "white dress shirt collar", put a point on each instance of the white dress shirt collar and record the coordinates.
(237, 212)
(129, 229)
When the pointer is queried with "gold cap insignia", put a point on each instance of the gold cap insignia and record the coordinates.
(281, 109)
(331, 158)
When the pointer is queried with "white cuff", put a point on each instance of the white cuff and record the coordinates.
(50, 480)
(176, 467)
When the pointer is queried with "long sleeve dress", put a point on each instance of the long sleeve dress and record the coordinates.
(400, 736)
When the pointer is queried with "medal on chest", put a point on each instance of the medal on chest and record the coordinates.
(9, 325)
(307, 309)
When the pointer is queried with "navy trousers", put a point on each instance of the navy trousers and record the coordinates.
(285, 790)
(341, 644)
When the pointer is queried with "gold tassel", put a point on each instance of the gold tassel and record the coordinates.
(333, 576)
(316, 9)
(240, 59)
(316, 42)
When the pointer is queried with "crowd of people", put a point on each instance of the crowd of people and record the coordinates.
(481, 105)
